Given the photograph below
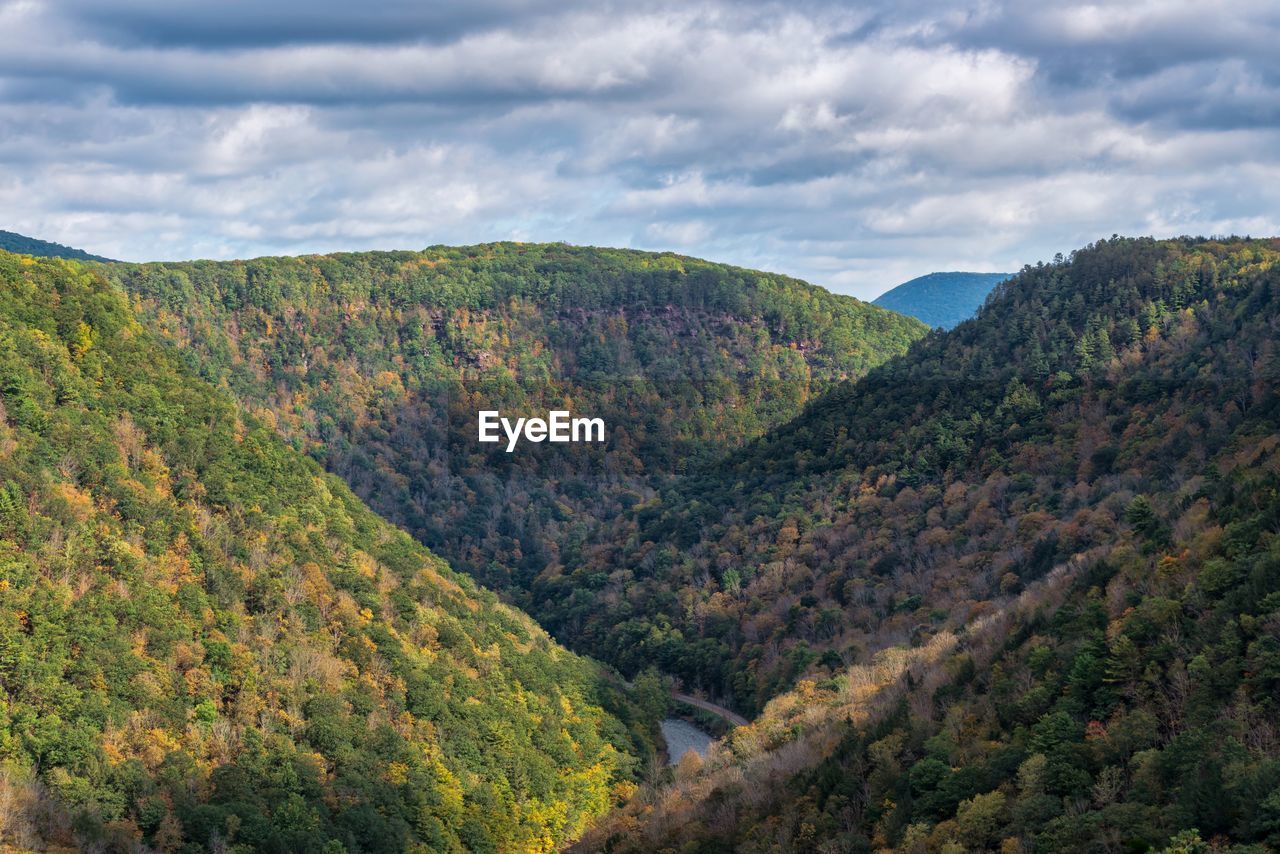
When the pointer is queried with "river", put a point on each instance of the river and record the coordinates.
(681, 737)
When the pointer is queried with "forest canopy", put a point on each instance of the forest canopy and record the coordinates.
(207, 642)
(1016, 590)
(376, 364)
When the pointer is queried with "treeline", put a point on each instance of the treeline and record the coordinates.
(208, 643)
(19, 243)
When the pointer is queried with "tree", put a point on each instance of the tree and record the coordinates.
(979, 818)
(651, 695)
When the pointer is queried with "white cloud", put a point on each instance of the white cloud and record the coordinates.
(855, 147)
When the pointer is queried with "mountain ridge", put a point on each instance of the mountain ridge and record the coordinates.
(377, 363)
(1053, 586)
(942, 299)
(1013, 585)
(21, 244)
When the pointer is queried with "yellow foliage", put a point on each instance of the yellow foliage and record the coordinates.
(366, 565)
(622, 791)
(159, 743)
(77, 502)
(81, 340)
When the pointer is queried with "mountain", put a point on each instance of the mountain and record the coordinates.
(856, 572)
(1017, 590)
(941, 299)
(1013, 586)
(377, 363)
(22, 245)
(208, 643)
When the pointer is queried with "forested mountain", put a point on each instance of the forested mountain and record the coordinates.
(208, 643)
(1015, 588)
(941, 299)
(1027, 577)
(376, 364)
(23, 245)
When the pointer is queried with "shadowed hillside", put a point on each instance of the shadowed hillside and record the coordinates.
(377, 363)
(1026, 577)
(22, 245)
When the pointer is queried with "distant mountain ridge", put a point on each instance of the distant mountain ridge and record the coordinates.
(23, 245)
(941, 299)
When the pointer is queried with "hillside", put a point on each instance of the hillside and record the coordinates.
(941, 299)
(376, 364)
(1027, 577)
(206, 642)
(865, 520)
(23, 245)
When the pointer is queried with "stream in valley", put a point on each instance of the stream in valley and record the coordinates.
(681, 737)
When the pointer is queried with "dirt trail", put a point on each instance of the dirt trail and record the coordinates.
(707, 706)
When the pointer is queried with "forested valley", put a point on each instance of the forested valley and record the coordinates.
(1013, 586)
(377, 363)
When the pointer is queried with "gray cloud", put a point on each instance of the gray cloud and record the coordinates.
(855, 146)
(252, 23)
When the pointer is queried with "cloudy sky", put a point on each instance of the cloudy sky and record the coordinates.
(854, 145)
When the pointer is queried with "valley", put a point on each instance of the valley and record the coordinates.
(377, 364)
(1006, 582)
(520, 426)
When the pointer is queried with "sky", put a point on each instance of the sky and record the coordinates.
(851, 145)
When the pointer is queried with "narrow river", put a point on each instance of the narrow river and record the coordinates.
(681, 737)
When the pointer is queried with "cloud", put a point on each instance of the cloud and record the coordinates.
(853, 146)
